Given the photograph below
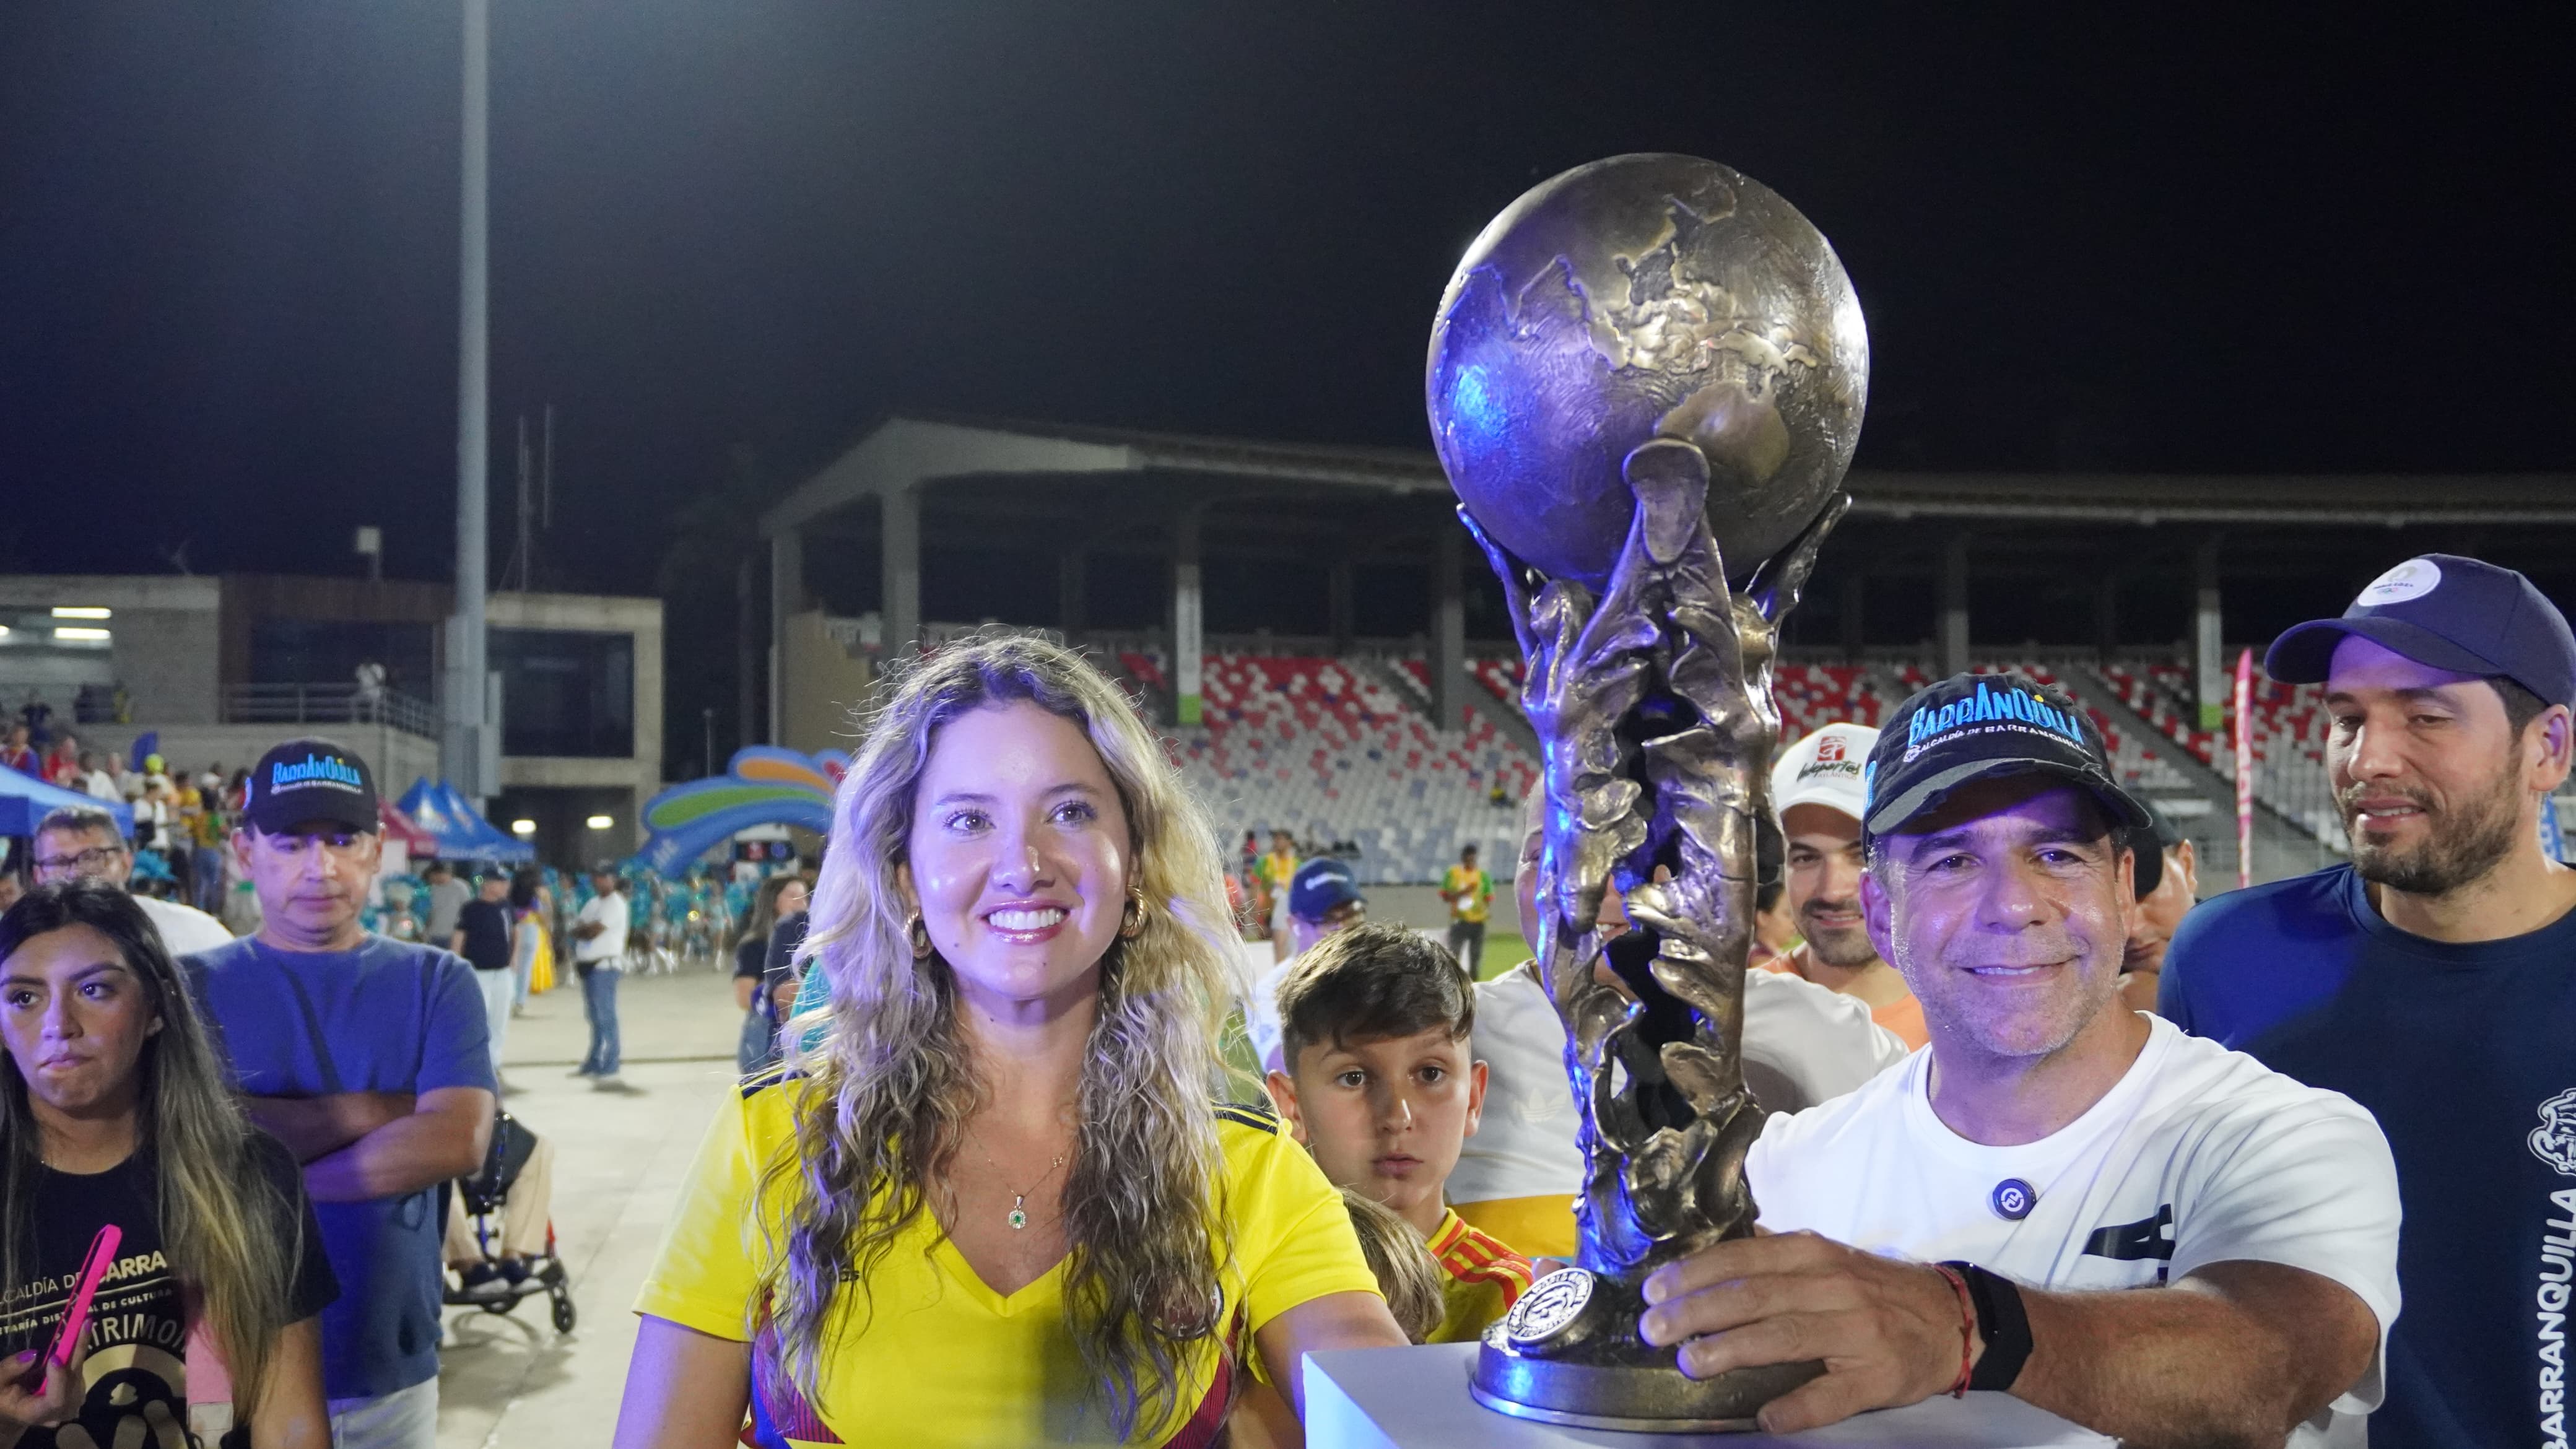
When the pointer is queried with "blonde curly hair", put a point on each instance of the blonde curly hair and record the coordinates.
(892, 1082)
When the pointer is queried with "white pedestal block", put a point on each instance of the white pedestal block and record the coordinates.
(1416, 1398)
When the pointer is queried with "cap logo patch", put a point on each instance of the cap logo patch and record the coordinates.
(2412, 579)
(316, 770)
(1929, 727)
(1830, 749)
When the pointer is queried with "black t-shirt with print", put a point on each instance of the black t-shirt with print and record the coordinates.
(135, 1350)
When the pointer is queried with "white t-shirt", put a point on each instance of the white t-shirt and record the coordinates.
(185, 930)
(609, 912)
(1261, 1015)
(1803, 1044)
(2198, 1155)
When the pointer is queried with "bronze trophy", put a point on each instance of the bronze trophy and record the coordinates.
(1645, 384)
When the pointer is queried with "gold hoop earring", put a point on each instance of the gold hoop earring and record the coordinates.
(919, 931)
(1129, 930)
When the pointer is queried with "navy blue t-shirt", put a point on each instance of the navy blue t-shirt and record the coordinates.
(2467, 1056)
(391, 1016)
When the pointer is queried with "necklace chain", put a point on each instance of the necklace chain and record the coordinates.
(1019, 1217)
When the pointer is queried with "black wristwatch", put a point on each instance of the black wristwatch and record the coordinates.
(2000, 1322)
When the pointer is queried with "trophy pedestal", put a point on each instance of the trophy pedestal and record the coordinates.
(1421, 1398)
(1568, 1353)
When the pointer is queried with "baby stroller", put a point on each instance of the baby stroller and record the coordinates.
(495, 1284)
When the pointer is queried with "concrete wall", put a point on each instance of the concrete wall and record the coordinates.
(819, 684)
(166, 645)
(170, 662)
(560, 792)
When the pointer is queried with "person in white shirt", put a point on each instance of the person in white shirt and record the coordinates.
(80, 843)
(599, 958)
(2145, 1233)
(1518, 1176)
(97, 781)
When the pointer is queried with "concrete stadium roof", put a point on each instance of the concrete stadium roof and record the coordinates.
(1021, 460)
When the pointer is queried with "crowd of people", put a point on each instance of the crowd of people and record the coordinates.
(2025, 1116)
(182, 818)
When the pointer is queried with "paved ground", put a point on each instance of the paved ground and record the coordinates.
(510, 1381)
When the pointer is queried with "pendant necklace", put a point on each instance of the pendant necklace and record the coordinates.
(1019, 1217)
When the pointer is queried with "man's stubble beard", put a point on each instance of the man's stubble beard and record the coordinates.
(2461, 847)
(1843, 949)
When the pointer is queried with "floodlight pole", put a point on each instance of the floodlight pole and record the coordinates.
(461, 744)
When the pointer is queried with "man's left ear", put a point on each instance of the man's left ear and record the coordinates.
(1476, 1079)
(2556, 734)
(1876, 916)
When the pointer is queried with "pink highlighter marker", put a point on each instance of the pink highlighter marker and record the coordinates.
(102, 1254)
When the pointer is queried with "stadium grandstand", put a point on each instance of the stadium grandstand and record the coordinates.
(1329, 653)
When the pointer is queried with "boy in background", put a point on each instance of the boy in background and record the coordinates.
(1379, 1084)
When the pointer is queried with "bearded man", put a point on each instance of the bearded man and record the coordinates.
(2430, 980)
(1816, 788)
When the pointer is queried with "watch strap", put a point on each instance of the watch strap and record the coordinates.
(2001, 1321)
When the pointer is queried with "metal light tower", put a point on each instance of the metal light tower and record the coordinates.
(463, 752)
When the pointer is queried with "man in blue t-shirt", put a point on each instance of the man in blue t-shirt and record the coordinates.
(369, 1057)
(2433, 980)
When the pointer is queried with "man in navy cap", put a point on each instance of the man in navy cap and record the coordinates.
(370, 1058)
(2060, 1198)
(1323, 897)
(2433, 979)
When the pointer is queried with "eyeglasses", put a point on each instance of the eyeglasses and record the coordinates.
(97, 857)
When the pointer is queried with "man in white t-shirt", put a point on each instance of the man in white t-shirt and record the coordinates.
(599, 959)
(2155, 1237)
(1518, 1176)
(78, 842)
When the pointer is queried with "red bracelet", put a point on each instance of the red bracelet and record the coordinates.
(1967, 1326)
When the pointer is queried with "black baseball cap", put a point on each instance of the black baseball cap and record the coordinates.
(2461, 614)
(303, 782)
(1973, 727)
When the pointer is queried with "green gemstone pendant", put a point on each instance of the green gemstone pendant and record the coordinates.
(1019, 1219)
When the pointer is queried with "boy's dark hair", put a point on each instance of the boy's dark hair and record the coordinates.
(1370, 982)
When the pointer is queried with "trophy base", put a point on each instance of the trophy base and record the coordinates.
(1570, 1355)
(1657, 1400)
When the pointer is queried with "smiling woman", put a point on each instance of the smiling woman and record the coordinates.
(994, 1201)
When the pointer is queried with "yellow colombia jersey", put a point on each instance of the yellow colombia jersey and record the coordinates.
(1477, 888)
(946, 1360)
(1480, 1280)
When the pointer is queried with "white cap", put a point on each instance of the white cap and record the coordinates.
(1825, 769)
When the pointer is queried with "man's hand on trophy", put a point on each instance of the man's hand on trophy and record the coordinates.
(1888, 1332)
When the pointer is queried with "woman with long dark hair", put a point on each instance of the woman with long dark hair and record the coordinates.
(997, 1202)
(117, 1114)
(781, 897)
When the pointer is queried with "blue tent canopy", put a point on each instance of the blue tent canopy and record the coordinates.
(26, 800)
(460, 830)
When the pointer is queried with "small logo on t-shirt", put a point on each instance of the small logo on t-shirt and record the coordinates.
(2554, 1140)
(2412, 579)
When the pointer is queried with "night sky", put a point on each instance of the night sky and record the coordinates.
(228, 238)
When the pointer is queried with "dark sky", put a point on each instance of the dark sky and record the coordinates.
(228, 237)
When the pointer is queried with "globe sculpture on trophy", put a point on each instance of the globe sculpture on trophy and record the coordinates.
(1645, 383)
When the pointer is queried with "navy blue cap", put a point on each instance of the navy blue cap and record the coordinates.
(1319, 886)
(310, 782)
(2461, 614)
(1973, 727)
